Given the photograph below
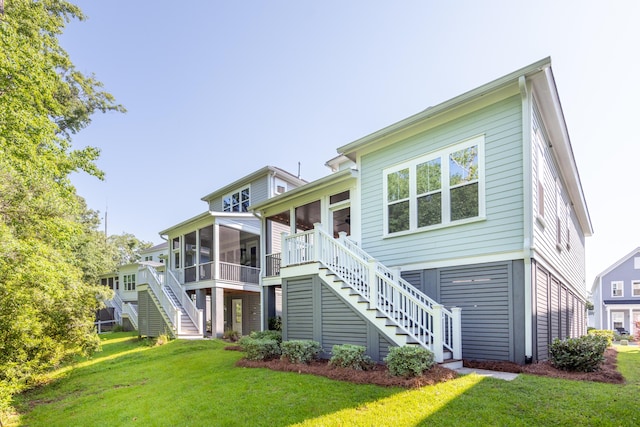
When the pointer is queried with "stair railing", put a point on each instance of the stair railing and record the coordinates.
(149, 275)
(194, 313)
(422, 318)
(129, 310)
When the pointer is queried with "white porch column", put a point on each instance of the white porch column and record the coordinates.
(215, 266)
(607, 321)
(631, 325)
(217, 315)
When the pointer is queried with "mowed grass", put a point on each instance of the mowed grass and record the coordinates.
(196, 383)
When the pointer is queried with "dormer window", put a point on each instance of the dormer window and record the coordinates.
(237, 202)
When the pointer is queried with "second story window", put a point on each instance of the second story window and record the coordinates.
(237, 202)
(437, 189)
(129, 282)
(616, 289)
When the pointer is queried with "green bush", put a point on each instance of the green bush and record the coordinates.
(272, 335)
(584, 354)
(409, 361)
(231, 335)
(260, 348)
(300, 351)
(275, 323)
(609, 335)
(351, 356)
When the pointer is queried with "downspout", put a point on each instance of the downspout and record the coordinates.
(527, 216)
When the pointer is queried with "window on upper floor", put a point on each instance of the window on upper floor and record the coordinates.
(616, 288)
(558, 215)
(440, 188)
(635, 288)
(129, 281)
(280, 186)
(636, 263)
(237, 202)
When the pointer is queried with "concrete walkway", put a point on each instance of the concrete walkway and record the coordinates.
(507, 376)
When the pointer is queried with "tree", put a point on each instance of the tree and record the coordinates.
(47, 300)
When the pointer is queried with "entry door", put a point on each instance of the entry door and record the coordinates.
(236, 315)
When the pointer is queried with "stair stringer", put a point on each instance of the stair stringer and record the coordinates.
(384, 324)
(188, 329)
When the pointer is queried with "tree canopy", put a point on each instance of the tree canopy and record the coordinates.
(48, 236)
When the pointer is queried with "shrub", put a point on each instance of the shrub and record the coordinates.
(275, 323)
(231, 335)
(584, 354)
(351, 356)
(300, 351)
(260, 348)
(622, 337)
(409, 361)
(272, 335)
(609, 335)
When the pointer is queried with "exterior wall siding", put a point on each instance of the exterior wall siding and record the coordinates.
(150, 320)
(250, 310)
(558, 311)
(501, 123)
(312, 310)
(490, 296)
(566, 254)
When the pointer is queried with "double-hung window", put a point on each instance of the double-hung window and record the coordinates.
(635, 288)
(437, 189)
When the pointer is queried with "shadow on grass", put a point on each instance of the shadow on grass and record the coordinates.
(185, 383)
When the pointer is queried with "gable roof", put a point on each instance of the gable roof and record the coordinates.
(280, 173)
(536, 78)
(613, 266)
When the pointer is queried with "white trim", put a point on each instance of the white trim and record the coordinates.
(633, 294)
(453, 262)
(239, 191)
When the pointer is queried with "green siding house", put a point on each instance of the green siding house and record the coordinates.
(460, 229)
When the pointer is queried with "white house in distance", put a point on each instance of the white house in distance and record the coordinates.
(123, 308)
(616, 295)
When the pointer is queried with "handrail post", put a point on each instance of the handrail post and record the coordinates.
(317, 245)
(437, 333)
(373, 284)
(457, 332)
(285, 249)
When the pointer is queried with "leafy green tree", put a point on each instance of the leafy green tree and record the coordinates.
(125, 248)
(47, 298)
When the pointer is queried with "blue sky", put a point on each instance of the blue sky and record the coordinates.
(215, 90)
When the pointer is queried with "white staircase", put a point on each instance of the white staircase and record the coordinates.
(398, 310)
(173, 302)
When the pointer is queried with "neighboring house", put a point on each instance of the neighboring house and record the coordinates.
(461, 229)
(123, 306)
(212, 280)
(616, 295)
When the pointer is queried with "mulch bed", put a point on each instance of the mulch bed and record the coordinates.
(608, 372)
(379, 375)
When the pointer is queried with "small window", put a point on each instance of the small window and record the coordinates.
(237, 202)
(616, 288)
(281, 186)
(129, 282)
(340, 197)
(636, 263)
(635, 288)
(617, 318)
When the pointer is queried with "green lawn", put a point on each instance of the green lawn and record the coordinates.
(195, 383)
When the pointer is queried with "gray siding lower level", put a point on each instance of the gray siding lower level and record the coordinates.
(150, 320)
(312, 310)
(558, 312)
(491, 297)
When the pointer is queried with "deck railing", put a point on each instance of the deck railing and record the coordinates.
(422, 318)
(273, 262)
(237, 273)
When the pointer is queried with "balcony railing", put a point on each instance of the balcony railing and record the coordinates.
(228, 272)
(273, 262)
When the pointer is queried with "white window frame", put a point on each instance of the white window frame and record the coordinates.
(636, 263)
(240, 200)
(445, 189)
(617, 316)
(558, 221)
(129, 282)
(277, 182)
(635, 288)
(540, 182)
(617, 285)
